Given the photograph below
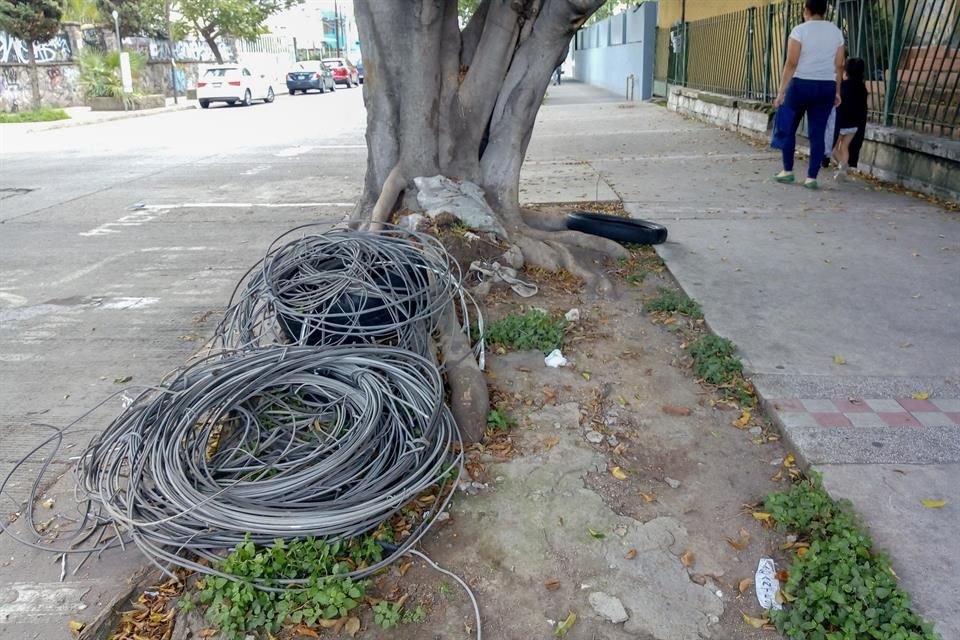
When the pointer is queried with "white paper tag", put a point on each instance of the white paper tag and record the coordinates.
(767, 584)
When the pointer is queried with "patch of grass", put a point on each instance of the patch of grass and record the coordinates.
(237, 608)
(389, 615)
(37, 115)
(715, 361)
(670, 301)
(839, 587)
(533, 330)
(499, 420)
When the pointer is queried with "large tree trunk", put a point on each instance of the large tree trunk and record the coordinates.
(462, 103)
(34, 75)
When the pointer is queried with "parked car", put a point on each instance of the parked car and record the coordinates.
(233, 84)
(310, 74)
(359, 67)
(343, 71)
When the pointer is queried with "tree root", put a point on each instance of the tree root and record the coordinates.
(469, 397)
(393, 186)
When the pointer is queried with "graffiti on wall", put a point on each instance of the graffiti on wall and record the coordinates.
(14, 50)
(180, 50)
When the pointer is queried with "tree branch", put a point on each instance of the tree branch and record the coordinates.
(472, 32)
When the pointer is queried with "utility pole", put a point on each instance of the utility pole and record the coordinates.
(336, 26)
(173, 64)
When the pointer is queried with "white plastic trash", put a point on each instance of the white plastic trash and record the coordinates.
(767, 584)
(555, 359)
(573, 315)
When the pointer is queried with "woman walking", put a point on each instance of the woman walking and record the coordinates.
(810, 85)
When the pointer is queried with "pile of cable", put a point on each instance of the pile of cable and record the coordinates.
(343, 286)
(275, 442)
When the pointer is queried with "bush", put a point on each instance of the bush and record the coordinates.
(838, 587)
(670, 301)
(715, 360)
(100, 74)
(533, 330)
(38, 115)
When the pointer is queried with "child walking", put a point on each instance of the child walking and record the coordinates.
(851, 114)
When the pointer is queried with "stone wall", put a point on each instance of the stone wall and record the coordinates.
(924, 163)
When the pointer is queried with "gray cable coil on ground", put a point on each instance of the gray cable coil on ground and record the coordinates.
(342, 286)
(326, 442)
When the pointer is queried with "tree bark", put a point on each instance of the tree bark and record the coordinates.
(209, 36)
(34, 75)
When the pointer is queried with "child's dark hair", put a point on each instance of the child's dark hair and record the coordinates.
(817, 7)
(855, 69)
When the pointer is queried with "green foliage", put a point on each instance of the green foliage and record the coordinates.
(237, 608)
(100, 73)
(81, 11)
(137, 17)
(211, 19)
(839, 588)
(499, 420)
(670, 301)
(389, 615)
(31, 20)
(37, 115)
(715, 360)
(533, 330)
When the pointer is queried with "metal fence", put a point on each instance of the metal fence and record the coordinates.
(911, 49)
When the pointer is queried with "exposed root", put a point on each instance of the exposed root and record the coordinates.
(393, 186)
(469, 396)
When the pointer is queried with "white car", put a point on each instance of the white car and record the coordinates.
(233, 84)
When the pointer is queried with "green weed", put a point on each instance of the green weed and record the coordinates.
(839, 587)
(533, 330)
(715, 362)
(499, 420)
(37, 115)
(670, 301)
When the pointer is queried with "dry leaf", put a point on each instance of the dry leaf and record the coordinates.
(838, 359)
(921, 396)
(352, 627)
(674, 410)
(906, 345)
(934, 504)
(565, 626)
(740, 543)
(621, 401)
(756, 623)
(122, 379)
(552, 584)
(688, 558)
(76, 627)
(404, 568)
(789, 461)
(631, 554)
(647, 497)
(744, 584)
(762, 516)
(207, 633)
(743, 421)
(782, 596)
(551, 441)
(328, 624)
(304, 630)
(586, 375)
(618, 473)
(802, 551)
(777, 477)
(48, 503)
(783, 575)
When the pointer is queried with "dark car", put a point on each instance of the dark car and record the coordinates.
(310, 74)
(343, 71)
(359, 66)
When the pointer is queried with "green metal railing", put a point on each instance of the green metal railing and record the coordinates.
(911, 49)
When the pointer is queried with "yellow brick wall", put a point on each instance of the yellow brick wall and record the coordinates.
(670, 10)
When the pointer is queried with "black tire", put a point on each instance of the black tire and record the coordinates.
(247, 98)
(625, 230)
(333, 87)
(204, 104)
(292, 92)
(231, 103)
(323, 87)
(271, 96)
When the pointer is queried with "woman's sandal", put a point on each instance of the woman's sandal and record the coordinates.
(785, 179)
(811, 184)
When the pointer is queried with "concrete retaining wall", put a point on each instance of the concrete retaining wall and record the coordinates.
(606, 53)
(919, 162)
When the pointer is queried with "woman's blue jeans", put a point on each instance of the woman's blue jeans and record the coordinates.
(814, 98)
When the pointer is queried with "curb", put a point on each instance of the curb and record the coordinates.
(122, 115)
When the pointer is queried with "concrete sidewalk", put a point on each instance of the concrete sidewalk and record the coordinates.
(80, 116)
(843, 302)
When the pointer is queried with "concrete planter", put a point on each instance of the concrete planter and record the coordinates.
(116, 104)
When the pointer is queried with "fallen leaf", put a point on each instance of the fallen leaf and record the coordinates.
(76, 627)
(777, 477)
(552, 584)
(596, 535)
(906, 345)
(207, 633)
(48, 503)
(744, 584)
(756, 623)
(802, 551)
(304, 630)
(675, 410)
(740, 543)
(565, 626)
(743, 420)
(762, 516)
(329, 624)
(352, 626)
(688, 558)
(921, 396)
(621, 401)
(631, 554)
(783, 575)
(404, 568)
(838, 359)
(698, 578)
(122, 379)
(790, 461)
(618, 473)
(647, 497)
(586, 376)
(934, 504)
(783, 596)
(551, 441)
